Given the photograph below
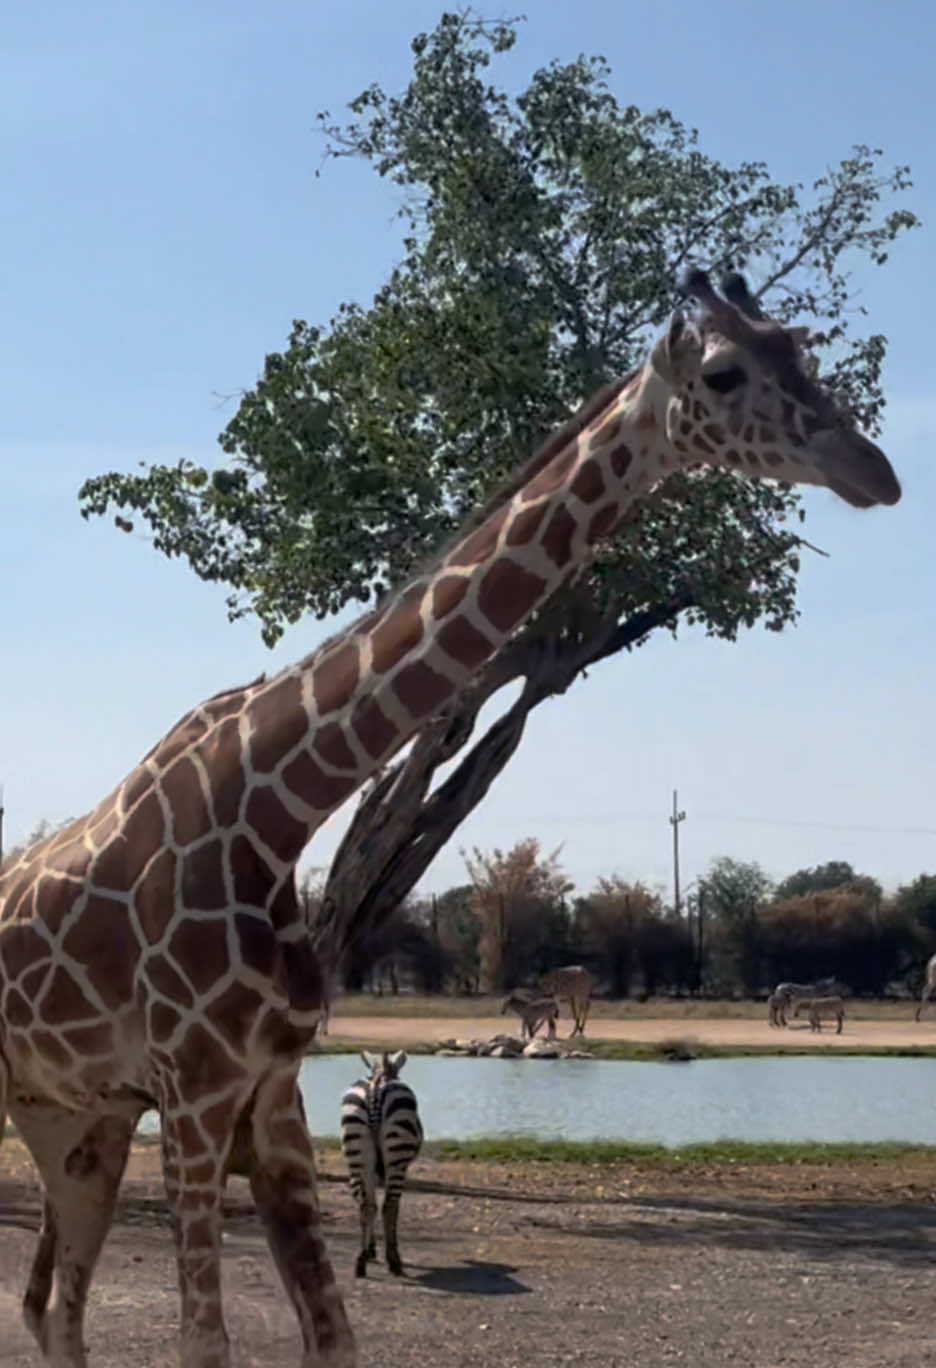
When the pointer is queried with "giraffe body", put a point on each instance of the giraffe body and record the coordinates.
(153, 953)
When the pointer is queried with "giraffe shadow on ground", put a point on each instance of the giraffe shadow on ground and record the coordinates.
(472, 1277)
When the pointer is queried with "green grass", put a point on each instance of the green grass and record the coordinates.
(741, 1153)
(522, 1148)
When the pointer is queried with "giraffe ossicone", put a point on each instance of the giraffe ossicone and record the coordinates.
(153, 953)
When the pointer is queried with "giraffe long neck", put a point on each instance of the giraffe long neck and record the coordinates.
(271, 762)
(318, 731)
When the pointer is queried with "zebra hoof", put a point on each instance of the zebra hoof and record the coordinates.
(370, 1252)
(360, 1266)
(395, 1265)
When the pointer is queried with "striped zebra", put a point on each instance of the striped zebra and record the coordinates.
(785, 994)
(775, 1008)
(532, 1011)
(820, 1007)
(381, 1135)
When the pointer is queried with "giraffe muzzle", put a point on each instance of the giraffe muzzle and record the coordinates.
(855, 469)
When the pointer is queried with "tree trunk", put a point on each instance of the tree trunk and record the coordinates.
(401, 823)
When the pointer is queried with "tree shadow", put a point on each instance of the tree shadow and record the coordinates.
(472, 1277)
(904, 1234)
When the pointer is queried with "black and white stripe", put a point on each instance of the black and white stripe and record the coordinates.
(381, 1135)
(786, 994)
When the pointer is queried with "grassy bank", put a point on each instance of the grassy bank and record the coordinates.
(736, 1154)
(658, 1050)
(522, 1148)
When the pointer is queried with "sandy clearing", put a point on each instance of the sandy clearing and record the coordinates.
(708, 1031)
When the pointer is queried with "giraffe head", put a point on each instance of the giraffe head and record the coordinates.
(737, 393)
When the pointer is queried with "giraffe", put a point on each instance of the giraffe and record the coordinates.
(929, 986)
(153, 953)
(574, 983)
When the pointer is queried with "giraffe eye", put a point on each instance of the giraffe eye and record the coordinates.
(724, 381)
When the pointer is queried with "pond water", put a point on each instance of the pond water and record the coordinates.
(825, 1099)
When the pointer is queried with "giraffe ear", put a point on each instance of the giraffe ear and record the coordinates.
(663, 357)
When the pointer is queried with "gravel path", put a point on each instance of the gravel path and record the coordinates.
(547, 1264)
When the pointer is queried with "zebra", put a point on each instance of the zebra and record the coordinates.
(929, 987)
(820, 1007)
(381, 1135)
(775, 1005)
(532, 1011)
(785, 994)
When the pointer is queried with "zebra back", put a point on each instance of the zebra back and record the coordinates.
(380, 1127)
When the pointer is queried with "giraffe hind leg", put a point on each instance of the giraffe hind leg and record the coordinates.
(81, 1160)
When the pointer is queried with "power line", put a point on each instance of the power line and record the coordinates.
(608, 817)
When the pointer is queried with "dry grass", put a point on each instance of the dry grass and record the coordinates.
(411, 1005)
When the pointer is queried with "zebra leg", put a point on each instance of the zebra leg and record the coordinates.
(841, 1021)
(391, 1214)
(367, 1206)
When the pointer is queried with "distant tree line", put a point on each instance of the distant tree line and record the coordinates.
(738, 934)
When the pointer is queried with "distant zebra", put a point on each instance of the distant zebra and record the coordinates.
(821, 1007)
(532, 1011)
(381, 1135)
(775, 1005)
(786, 994)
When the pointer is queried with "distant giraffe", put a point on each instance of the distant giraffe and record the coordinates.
(574, 984)
(154, 953)
(929, 987)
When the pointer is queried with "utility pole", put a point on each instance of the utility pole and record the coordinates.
(676, 818)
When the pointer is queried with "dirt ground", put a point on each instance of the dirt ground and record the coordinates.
(709, 1031)
(546, 1264)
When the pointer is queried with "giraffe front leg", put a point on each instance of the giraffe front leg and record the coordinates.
(81, 1161)
(282, 1178)
(39, 1282)
(197, 1141)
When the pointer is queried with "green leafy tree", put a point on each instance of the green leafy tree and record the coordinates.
(918, 901)
(842, 932)
(541, 238)
(458, 928)
(618, 924)
(834, 874)
(733, 892)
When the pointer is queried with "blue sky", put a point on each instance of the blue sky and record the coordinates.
(164, 226)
